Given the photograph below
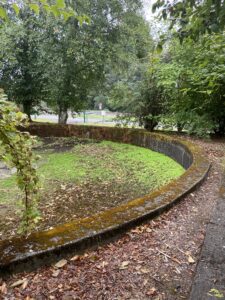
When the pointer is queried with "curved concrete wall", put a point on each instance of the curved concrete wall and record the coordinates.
(47, 246)
(160, 143)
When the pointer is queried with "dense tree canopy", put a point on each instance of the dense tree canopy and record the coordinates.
(20, 63)
(63, 61)
(193, 18)
(67, 64)
(57, 8)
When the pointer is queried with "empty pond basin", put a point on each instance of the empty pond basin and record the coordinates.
(81, 177)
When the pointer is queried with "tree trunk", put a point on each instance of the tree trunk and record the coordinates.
(27, 109)
(220, 130)
(180, 127)
(63, 115)
(150, 124)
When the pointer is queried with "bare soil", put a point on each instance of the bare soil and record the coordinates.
(154, 261)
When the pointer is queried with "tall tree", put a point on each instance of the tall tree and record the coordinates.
(192, 77)
(77, 57)
(81, 54)
(20, 74)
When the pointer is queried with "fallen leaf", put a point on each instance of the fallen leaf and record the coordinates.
(103, 264)
(3, 288)
(152, 292)
(25, 284)
(56, 273)
(61, 263)
(18, 282)
(75, 258)
(215, 293)
(124, 265)
(145, 282)
(191, 260)
(145, 270)
(137, 230)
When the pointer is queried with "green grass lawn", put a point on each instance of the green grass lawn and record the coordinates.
(100, 162)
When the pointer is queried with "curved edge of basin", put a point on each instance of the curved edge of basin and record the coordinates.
(39, 248)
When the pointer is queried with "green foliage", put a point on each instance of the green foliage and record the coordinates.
(193, 18)
(59, 9)
(47, 62)
(20, 63)
(140, 97)
(16, 151)
(47, 59)
(85, 56)
(77, 65)
(191, 76)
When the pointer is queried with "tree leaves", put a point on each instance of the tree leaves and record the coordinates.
(3, 14)
(192, 19)
(16, 8)
(58, 9)
(18, 147)
(35, 8)
(60, 3)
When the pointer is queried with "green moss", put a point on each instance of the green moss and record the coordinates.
(131, 168)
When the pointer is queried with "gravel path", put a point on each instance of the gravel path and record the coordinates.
(154, 261)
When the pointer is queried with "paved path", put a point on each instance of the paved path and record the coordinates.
(209, 282)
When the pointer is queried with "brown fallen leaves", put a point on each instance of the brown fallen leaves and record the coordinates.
(3, 288)
(61, 263)
(153, 261)
(22, 282)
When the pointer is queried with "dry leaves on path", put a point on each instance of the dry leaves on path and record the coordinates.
(153, 261)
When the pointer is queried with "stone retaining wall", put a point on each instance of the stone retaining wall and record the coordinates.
(46, 247)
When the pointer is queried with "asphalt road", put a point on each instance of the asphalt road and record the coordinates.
(90, 117)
